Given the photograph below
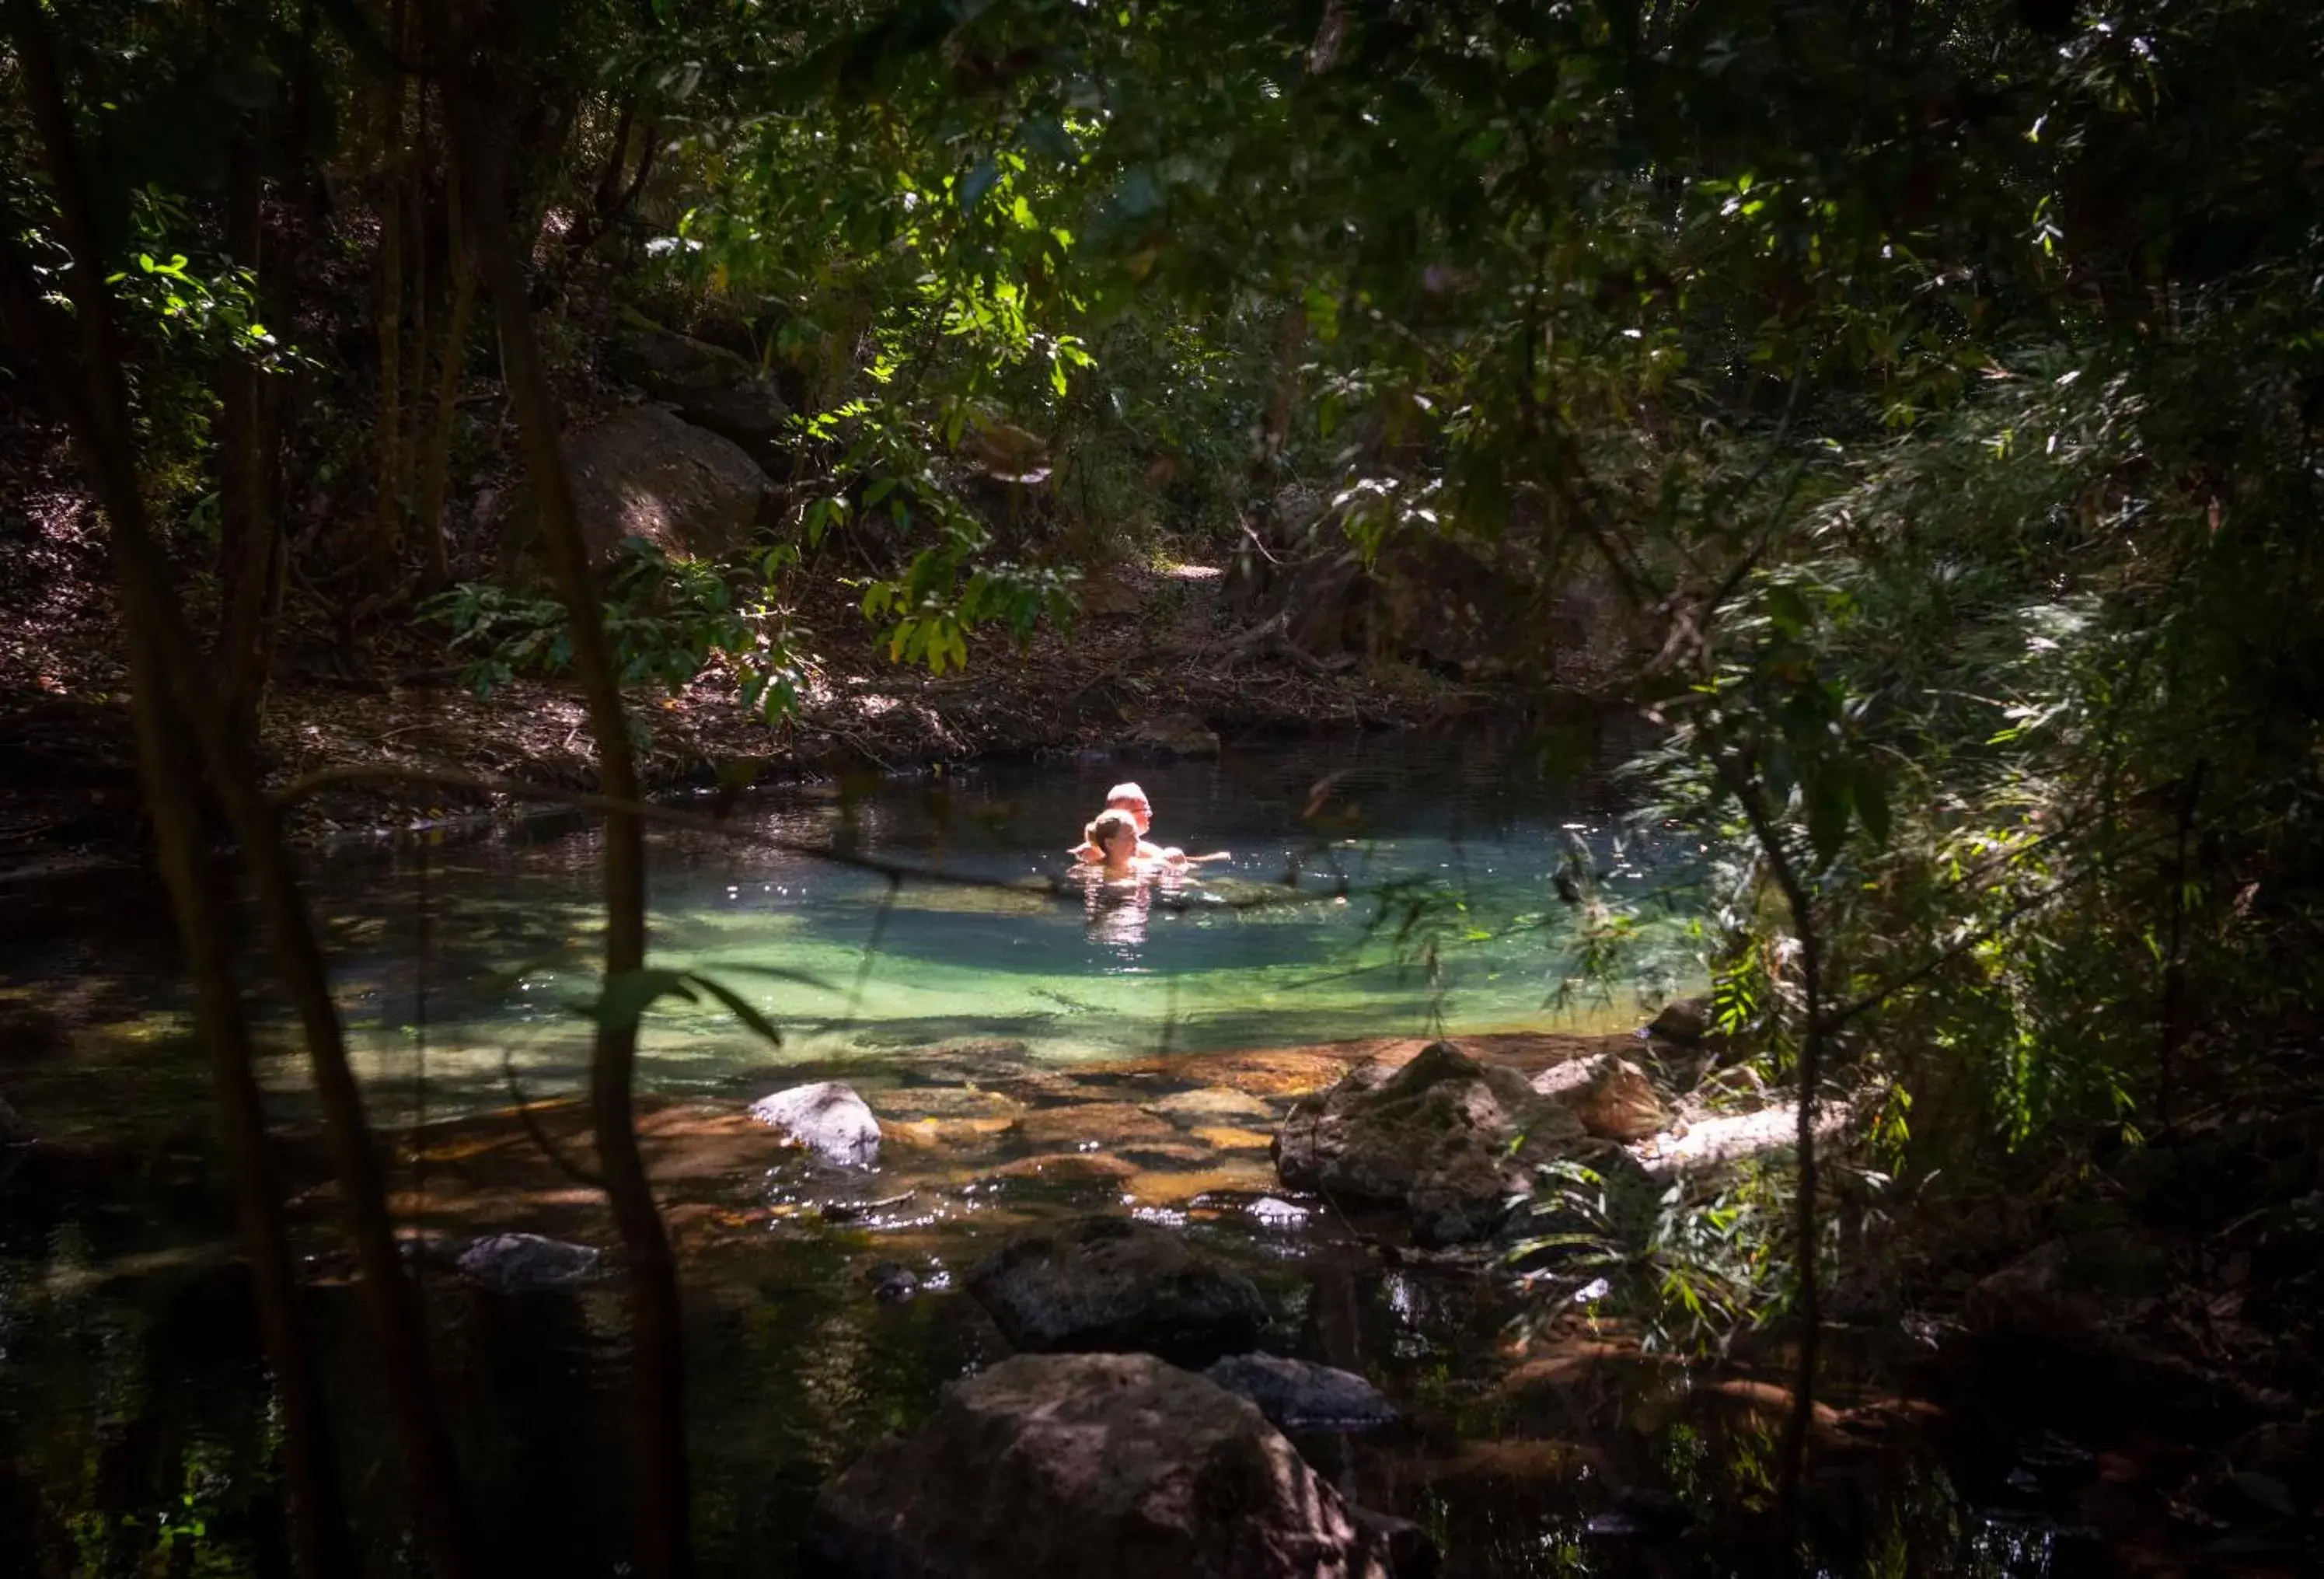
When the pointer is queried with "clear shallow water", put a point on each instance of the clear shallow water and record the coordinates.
(1393, 886)
(134, 1413)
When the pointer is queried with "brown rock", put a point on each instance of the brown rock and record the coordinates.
(1114, 1464)
(1107, 1283)
(1613, 1097)
(1451, 1140)
(1684, 1020)
(1212, 1104)
(646, 473)
(1103, 1123)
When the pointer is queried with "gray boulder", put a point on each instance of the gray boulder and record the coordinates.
(1118, 1286)
(644, 473)
(1451, 1140)
(710, 386)
(828, 1118)
(1113, 1465)
(1299, 1396)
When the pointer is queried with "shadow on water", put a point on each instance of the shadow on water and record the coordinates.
(1020, 1059)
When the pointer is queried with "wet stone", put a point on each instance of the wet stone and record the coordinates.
(1111, 1125)
(1213, 1104)
(1298, 1395)
(517, 1263)
(1114, 1285)
(829, 1117)
(1451, 1140)
(1114, 1464)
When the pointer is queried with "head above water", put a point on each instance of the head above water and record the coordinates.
(1109, 830)
(1130, 799)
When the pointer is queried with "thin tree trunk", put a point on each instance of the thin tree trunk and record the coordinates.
(436, 464)
(1792, 1451)
(654, 1309)
(317, 1514)
(395, 161)
(96, 393)
(246, 522)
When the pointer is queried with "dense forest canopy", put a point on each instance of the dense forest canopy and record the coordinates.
(1921, 399)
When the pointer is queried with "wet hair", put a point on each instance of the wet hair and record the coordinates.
(1132, 793)
(1106, 823)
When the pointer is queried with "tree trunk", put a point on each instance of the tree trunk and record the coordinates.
(93, 389)
(317, 1514)
(654, 1308)
(395, 161)
(249, 434)
(436, 462)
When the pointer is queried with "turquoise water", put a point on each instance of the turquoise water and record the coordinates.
(1384, 886)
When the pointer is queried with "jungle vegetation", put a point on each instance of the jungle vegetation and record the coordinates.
(1929, 392)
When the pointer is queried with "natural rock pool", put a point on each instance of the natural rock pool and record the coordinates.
(1029, 1055)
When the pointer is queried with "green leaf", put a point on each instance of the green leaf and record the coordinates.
(627, 995)
(742, 1010)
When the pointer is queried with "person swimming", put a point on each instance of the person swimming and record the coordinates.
(1114, 847)
(1131, 801)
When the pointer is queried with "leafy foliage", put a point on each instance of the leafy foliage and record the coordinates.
(666, 619)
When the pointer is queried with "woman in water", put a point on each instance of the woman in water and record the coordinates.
(1110, 843)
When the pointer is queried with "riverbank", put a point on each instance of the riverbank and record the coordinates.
(1154, 669)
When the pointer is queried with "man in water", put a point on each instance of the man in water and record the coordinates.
(1130, 802)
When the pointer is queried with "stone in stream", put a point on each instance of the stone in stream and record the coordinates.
(1451, 1140)
(521, 1263)
(1613, 1097)
(1298, 1395)
(1117, 1464)
(1212, 1104)
(828, 1118)
(1116, 1285)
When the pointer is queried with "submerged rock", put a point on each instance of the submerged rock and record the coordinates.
(1211, 1104)
(1116, 1465)
(828, 1118)
(1613, 1097)
(1299, 1396)
(518, 1263)
(1116, 1285)
(891, 1282)
(1453, 1141)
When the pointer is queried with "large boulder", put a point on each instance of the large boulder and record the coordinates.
(1451, 1140)
(646, 473)
(1116, 1285)
(710, 386)
(1614, 1098)
(828, 1118)
(1114, 1464)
